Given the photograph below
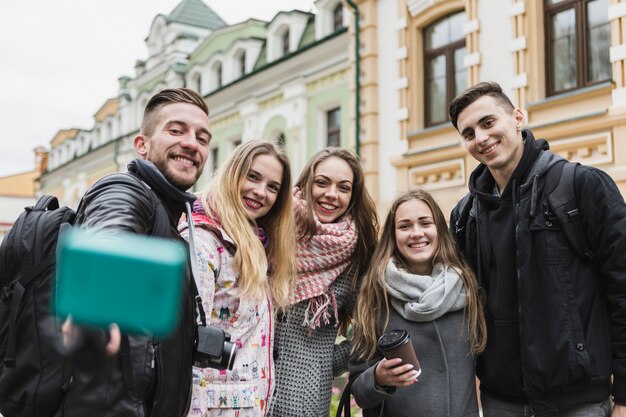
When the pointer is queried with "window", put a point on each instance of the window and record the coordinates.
(577, 44)
(333, 127)
(217, 75)
(445, 76)
(236, 143)
(214, 156)
(285, 42)
(280, 140)
(338, 17)
(242, 63)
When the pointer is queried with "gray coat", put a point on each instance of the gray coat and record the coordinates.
(446, 387)
(305, 365)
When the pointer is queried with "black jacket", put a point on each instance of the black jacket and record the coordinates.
(159, 381)
(572, 312)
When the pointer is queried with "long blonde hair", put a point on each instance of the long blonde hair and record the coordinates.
(361, 208)
(223, 197)
(372, 302)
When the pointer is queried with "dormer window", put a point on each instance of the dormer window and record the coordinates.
(217, 75)
(242, 63)
(338, 17)
(285, 42)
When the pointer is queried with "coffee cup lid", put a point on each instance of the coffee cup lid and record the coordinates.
(392, 339)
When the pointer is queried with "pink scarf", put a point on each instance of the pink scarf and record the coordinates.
(320, 261)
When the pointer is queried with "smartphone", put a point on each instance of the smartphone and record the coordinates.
(105, 277)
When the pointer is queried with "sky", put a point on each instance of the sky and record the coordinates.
(60, 61)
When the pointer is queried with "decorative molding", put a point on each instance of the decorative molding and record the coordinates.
(518, 44)
(617, 53)
(403, 114)
(591, 149)
(617, 10)
(518, 8)
(225, 121)
(471, 26)
(471, 59)
(439, 175)
(297, 89)
(417, 6)
(329, 80)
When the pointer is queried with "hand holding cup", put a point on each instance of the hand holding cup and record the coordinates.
(393, 373)
(400, 367)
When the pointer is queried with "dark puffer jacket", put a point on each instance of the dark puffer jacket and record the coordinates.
(572, 312)
(160, 370)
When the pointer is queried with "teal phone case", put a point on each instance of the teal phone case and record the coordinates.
(109, 277)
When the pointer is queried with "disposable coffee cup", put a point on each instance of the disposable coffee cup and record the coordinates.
(397, 344)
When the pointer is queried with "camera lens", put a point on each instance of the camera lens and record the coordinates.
(213, 349)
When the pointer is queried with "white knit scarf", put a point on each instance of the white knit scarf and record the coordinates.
(422, 298)
(320, 261)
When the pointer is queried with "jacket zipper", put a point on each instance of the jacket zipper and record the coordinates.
(516, 211)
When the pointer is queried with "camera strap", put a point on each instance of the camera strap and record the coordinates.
(194, 265)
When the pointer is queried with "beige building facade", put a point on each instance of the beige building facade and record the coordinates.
(561, 61)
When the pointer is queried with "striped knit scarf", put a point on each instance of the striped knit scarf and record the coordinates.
(320, 261)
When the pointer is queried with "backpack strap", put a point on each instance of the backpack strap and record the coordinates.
(46, 202)
(161, 225)
(343, 409)
(465, 207)
(561, 193)
(194, 265)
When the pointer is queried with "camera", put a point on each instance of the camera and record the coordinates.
(213, 349)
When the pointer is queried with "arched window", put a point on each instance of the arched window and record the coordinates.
(217, 75)
(214, 159)
(338, 17)
(578, 40)
(242, 63)
(445, 76)
(280, 139)
(285, 42)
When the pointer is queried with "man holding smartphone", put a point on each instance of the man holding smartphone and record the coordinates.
(144, 376)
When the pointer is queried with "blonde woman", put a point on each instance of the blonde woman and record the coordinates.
(337, 227)
(245, 244)
(419, 283)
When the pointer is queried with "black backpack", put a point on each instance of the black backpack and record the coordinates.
(561, 194)
(34, 373)
(33, 377)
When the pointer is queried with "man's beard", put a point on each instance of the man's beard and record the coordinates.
(170, 175)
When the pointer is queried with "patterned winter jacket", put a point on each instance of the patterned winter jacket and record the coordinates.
(246, 390)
